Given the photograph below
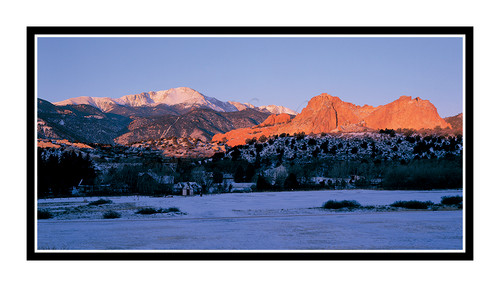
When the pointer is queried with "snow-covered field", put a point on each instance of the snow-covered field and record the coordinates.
(252, 221)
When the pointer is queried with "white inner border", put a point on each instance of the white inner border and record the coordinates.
(254, 36)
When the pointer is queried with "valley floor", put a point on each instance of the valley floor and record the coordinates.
(252, 221)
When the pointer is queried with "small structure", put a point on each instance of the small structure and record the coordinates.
(242, 187)
(227, 178)
(187, 188)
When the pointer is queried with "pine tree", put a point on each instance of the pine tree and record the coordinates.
(239, 174)
(291, 181)
(262, 183)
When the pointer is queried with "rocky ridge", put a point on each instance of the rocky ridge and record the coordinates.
(327, 114)
(200, 123)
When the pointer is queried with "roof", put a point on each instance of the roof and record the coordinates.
(187, 184)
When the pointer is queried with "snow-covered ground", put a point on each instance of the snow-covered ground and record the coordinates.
(252, 221)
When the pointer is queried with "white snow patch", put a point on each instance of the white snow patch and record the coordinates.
(256, 221)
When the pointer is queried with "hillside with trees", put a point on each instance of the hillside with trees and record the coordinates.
(387, 159)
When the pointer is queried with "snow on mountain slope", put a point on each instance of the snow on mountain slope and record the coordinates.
(176, 96)
(242, 106)
(104, 104)
(274, 109)
(138, 100)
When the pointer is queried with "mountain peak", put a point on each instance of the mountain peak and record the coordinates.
(274, 109)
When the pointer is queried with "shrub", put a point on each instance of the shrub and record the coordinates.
(451, 200)
(250, 141)
(146, 210)
(111, 214)
(412, 204)
(150, 210)
(100, 202)
(44, 214)
(311, 142)
(173, 209)
(333, 204)
(390, 132)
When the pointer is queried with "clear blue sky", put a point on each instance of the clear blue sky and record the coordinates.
(262, 71)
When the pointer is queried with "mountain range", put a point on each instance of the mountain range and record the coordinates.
(79, 123)
(174, 101)
(184, 112)
(180, 112)
(198, 123)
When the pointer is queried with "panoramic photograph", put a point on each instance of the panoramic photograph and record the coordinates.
(249, 143)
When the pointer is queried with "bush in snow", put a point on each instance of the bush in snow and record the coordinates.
(147, 210)
(150, 210)
(173, 209)
(413, 204)
(111, 214)
(44, 214)
(333, 204)
(100, 202)
(451, 200)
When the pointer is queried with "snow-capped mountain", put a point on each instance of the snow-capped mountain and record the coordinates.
(103, 104)
(274, 109)
(175, 112)
(125, 124)
(241, 106)
(179, 97)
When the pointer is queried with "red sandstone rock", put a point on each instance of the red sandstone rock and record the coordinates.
(406, 113)
(275, 120)
(325, 113)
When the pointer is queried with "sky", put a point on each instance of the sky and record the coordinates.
(286, 71)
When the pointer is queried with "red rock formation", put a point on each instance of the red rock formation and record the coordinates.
(239, 136)
(325, 113)
(275, 120)
(406, 113)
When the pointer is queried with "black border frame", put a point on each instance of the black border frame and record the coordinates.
(32, 32)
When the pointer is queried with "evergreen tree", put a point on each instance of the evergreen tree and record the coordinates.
(218, 176)
(291, 181)
(239, 174)
(57, 174)
(249, 173)
(235, 155)
(324, 147)
(262, 183)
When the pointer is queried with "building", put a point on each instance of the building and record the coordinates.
(242, 187)
(227, 179)
(187, 188)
